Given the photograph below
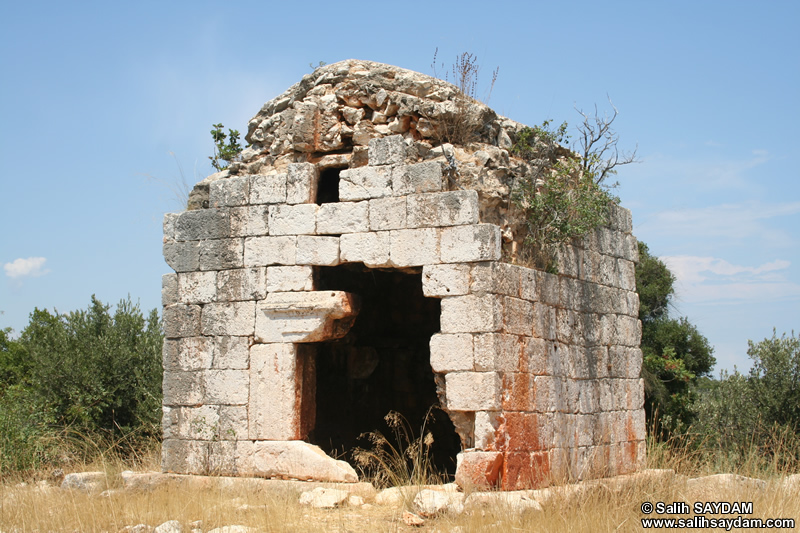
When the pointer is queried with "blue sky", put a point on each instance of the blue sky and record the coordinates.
(102, 102)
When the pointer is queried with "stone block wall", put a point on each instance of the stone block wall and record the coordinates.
(539, 372)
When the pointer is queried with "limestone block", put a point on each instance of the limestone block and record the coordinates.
(169, 289)
(570, 326)
(570, 294)
(518, 392)
(242, 284)
(244, 456)
(387, 214)
(232, 422)
(183, 388)
(233, 191)
(182, 256)
(292, 219)
(473, 391)
(630, 249)
(517, 316)
(633, 304)
(546, 393)
(301, 183)
(268, 189)
(414, 247)
(496, 278)
(190, 353)
(202, 224)
(548, 288)
(169, 226)
(497, 352)
(281, 401)
(345, 217)
(556, 359)
(305, 316)
(598, 361)
(228, 318)
(389, 150)
(588, 396)
(364, 183)
(627, 275)
(181, 321)
(221, 254)
(417, 178)
(372, 248)
(227, 387)
(169, 422)
(451, 208)
(486, 424)
(260, 251)
(197, 287)
(198, 422)
(634, 394)
(430, 503)
(299, 460)
(230, 353)
(290, 278)
(534, 354)
(184, 456)
(527, 284)
(313, 250)
(221, 459)
(445, 280)
(477, 242)
(471, 313)
(256, 221)
(634, 357)
(451, 352)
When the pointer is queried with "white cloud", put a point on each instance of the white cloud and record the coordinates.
(31, 266)
(711, 279)
(727, 221)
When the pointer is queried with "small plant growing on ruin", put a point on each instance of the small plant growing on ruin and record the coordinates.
(405, 462)
(224, 152)
(561, 197)
(460, 125)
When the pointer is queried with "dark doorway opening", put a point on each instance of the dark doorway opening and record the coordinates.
(328, 186)
(381, 365)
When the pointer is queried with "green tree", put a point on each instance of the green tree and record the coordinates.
(775, 379)
(675, 353)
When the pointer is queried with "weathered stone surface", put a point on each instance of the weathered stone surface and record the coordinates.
(260, 251)
(480, 242)
(389, 150)
(280, 396)
(189, 353)
(301, 183)
(322, 251)
(445, 280)
(417, 178)
(414, 247)
(323, 498)
(387, 214)
(345, 217)
(241, 284)
(372, 248)
(452, 208)
(292, 219)
(221, 254)
(290, 278)
(169, 289)
(202, 224)
(300, 460)
(364, 183)
(234, 191)
(268, 189)
(429, 503)
(85, 481)
(228, 318)
(471, 313)
(183, 387)
(305, 316)
(182, 256)
(197, 287)
(451, 353)
(476, 470)
(181, 321)
(170, 526)
(473, 391)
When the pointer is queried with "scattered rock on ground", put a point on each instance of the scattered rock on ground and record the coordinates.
(719, 482)
(517, 501)
(323, 498)
(410, 519)
(172, 526)
(233, 529)
(430, 502)
(138, 528)
(391, 496)
(355, 501)
(85, 481)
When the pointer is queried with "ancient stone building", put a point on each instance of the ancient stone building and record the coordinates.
(359, 259)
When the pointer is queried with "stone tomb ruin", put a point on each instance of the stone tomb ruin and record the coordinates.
(353, 263)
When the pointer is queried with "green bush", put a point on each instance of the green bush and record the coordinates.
(87, 373)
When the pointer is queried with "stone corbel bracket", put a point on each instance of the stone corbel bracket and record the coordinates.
(306, 316)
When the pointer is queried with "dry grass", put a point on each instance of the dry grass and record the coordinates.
(599, 506)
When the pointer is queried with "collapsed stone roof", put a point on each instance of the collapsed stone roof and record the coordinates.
(329, 117)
